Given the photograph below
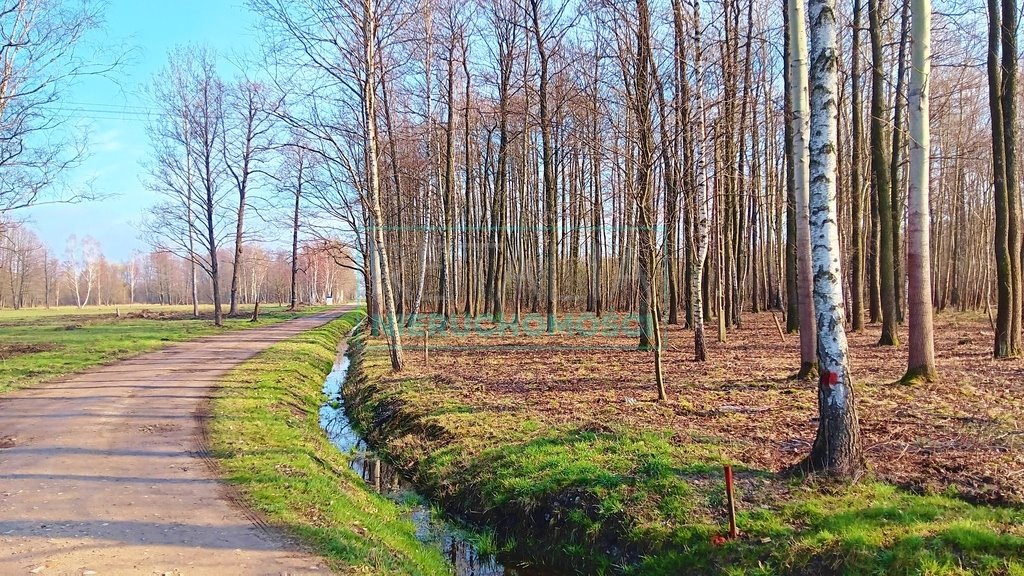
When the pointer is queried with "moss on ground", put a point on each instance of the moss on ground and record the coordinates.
(266, 436)
(601, 498)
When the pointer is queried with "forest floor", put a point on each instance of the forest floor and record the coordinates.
(513, 423)
(39, 344)
(965, 431)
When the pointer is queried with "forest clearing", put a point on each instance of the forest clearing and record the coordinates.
(563, 434)
(962, 432)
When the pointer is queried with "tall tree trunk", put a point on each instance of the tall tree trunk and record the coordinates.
(921, 360)
(856, 181)
(702, 200)
(1010, 134)
(444, 282)
(373, 182)
(550, 186)
(211, 238)
(236, 264)
(801, 173)
(792, 295)
(880, 180)
(470, 248)
(1004, 346)
(837, 447)
(294, 298)
(895, 166)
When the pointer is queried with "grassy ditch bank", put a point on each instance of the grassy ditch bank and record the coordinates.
(266, 436)
(601, 497)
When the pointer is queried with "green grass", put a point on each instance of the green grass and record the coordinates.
(610, 500)
(61, 341)
(266, 436)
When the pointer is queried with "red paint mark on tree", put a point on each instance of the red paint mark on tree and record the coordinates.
(832, 378)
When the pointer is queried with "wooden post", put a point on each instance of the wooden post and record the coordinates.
(778, 326)
(733, 531)
(426, 344)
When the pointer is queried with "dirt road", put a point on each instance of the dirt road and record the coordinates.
(107, 472)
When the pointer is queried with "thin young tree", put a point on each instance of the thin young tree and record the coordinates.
(701, 197)
(880, 173)
(247, 127)
(856, 178)
(798, 90)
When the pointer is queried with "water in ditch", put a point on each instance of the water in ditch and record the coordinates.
(430, 528)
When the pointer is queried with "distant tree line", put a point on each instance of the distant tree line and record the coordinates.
(33, 275)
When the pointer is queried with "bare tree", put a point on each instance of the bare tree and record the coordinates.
(42, 53)
(339, 48)
(545, 24)
(880, 183)
(297, 170)
(186, 166)
(248, 124)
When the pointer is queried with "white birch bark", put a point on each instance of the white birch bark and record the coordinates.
(837, 448)
(702, 201)
(373, 183)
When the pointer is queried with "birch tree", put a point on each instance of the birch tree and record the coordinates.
(837, 447)
(701, 200)
(369, 99)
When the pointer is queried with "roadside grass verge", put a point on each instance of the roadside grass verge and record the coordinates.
(605, 498)
(266, 436)
(39, 344)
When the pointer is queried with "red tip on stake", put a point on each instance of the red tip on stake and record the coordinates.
(733, 531)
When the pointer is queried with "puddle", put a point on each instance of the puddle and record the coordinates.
(431, 529)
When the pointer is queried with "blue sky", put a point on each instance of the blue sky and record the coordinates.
(110, 111)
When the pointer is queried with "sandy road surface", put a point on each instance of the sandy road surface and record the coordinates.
(107, 472)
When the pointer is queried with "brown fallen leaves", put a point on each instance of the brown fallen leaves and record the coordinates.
(962, 432)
